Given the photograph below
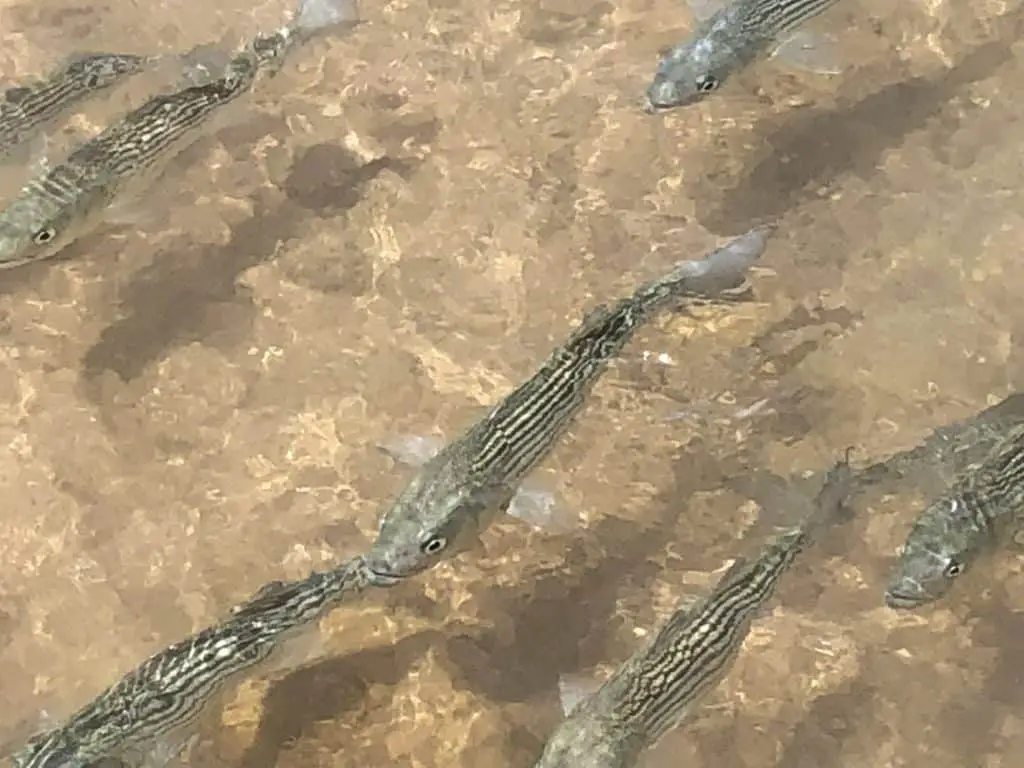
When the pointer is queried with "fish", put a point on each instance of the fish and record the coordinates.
(654, 690)
(149, 717)
(979, 511)
(930, 466)
(27, 109)
(476, 477)
(69, 199)
(730, 36)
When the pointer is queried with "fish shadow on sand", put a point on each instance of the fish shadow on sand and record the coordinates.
(846, 725)
(835, 719)
(329, 690)
(186, 296)
(979, 729)
(565, 620)
(810, 149)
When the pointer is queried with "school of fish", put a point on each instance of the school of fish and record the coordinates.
(973, 470)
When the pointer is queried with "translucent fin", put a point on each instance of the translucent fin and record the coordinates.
(572, 689)
(703, 10)
(726, 267)
(202, 64)
(133, 211)
(37, 152)
(412, 450)
(539, 507)
(783, 503)
(314, 15)
(166, 751)
(297, 651)
(810, 51)
(786, 503)
(263, 593)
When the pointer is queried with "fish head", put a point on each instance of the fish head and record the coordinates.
(436, 518)
(689, 73)
(34, 227)
(939, 550)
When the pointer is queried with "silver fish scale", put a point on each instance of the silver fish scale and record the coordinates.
(24, 108)
(458, 492)
(163, 698)
(692, 652)
(517, 434)
(993, 491)
(148, 132)
(696, 649)
(145, 135)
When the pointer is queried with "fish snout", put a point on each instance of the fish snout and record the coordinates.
(385, 568)
(378, 578)
(906, 594)
(661, 95)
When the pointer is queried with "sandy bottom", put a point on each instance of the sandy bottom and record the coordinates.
(394, 232)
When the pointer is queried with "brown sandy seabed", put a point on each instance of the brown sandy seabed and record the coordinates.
(394, 233)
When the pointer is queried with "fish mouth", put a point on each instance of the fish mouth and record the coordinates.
(652, 108)
(902, 600)
(379, 578)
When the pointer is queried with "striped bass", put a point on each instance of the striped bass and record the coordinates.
(692, 652)
(982, 508)
(70, 199)
(150, 716)
(732, 36)
(460, 490)
(27, 109)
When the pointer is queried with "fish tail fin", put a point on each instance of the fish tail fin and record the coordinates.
(722, 270)
(788, 505)
(315, 15)
(831, 505)
(201, 64)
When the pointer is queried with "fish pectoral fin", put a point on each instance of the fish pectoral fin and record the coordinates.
(811, 51)
(538, 506)
(412, 450)
(134, 211)
(574, 688)
(703, 10)
(37, 153)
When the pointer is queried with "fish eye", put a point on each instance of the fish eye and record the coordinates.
(953, 570)
(706, 83)
(43, 236)
(433, 545)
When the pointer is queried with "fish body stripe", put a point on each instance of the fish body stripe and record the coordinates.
(992, 493)
(696, 649)
(775, 18)
(525, 425)
(168, 692)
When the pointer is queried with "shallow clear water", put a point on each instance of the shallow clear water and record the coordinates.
(394, 232)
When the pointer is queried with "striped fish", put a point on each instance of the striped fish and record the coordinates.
(26, 110)
(71, 198)
(982, 508)
(731, 37)
(695, 649)
(150, 716)
(475, 477)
